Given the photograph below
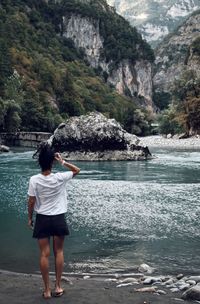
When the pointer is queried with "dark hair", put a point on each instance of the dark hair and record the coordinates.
(45, 155)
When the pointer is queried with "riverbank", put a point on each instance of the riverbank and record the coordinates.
(27, 288)
(160, 142)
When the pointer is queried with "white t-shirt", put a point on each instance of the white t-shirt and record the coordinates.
(50, 192)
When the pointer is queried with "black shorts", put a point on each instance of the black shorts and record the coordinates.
(50, 225)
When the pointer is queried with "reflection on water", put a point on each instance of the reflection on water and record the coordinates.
(120, 213)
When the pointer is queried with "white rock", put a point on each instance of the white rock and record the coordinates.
(129, 280)
(184, 286)
(194, 278)
(191, 282)
(146, 268)
(125, 284)
(160, 291)
(86, 277)
(175, 289)
(110, 280)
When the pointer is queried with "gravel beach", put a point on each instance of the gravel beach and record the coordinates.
(27, 288)
(160, 141)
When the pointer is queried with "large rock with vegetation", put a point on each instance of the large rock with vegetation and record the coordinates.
(95, 137)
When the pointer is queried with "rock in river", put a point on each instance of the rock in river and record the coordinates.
(4, 148)
(95, 137)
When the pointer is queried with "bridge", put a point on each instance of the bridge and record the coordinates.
(23, 139)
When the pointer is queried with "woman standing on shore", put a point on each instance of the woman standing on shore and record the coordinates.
(47, 197)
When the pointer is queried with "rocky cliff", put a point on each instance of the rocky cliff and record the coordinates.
(177, 54)
(134, 78)
(155, 18)
(94, 137)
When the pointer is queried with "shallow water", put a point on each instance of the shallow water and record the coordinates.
(121, 214)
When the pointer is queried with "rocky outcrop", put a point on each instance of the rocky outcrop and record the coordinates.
(94, 137)
(134, 78)
(176, 55)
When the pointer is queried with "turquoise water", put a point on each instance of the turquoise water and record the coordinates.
(121, 214)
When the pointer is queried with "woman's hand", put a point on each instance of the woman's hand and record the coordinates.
(30, 223)
(58, 157)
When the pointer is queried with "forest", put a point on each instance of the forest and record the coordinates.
(44, 79)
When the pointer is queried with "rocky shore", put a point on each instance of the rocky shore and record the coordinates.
(127, 288)
(174, 142)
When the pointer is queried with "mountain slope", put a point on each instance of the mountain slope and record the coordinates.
(155, 18)
(45, 76)
(179, 52)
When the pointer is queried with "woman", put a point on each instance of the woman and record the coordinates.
(47, 197)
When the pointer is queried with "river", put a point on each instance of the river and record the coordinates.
(121, 214)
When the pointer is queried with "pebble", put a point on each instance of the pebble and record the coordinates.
(191, 282)
(160, 141)
(152, 280)
(124, 284)
(174, 289)
(110, 280)
(146, 289)
(160, 291)
(129, 280)
(179, 276)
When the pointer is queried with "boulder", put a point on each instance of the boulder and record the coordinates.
(192, 294)
(4, 148)
(95, 137)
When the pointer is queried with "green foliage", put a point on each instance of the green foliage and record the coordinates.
(168, 123)
(44, 79)
(161, 100)
(184, 114)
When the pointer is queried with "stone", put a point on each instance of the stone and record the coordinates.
(194, 278)
(146, 289)
(192, 293)
(129, 280)
(191, 282)
(169, 136)
(184, 286)
(94, 137)
(4, 148)
(124, 284)
(161, 292)
(179, 276)
(145, 268)
(151, 280)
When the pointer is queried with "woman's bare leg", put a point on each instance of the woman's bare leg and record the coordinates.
(58, 243)
(44, 245)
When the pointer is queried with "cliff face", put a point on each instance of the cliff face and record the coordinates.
(176, 54)
(136, 79)
(155, 18)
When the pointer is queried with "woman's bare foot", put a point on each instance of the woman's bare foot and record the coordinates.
(58, 292)
(47, 294)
